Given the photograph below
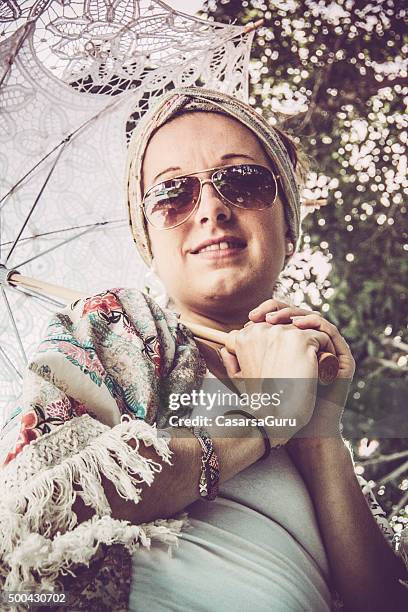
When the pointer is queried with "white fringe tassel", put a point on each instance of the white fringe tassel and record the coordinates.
(39, 534)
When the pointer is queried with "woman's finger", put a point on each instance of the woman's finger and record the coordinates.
(234, 372)
(284, 315)
(313, 321)
(258, 314)
(341, 348)
(324, 340)
(230, 362)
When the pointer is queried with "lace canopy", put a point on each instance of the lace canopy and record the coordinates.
(75, 76)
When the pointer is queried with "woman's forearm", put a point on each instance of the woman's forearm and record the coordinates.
(176, 486)
(364, 568)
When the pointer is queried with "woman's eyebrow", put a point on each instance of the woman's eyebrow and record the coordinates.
(223, 158)
(231, 155)
(171, 169)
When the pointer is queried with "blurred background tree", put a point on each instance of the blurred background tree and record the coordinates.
(336, 73)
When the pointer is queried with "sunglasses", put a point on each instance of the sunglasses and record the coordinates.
(170, 203)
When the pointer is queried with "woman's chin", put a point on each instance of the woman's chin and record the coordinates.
(222, 291)
(226, 294)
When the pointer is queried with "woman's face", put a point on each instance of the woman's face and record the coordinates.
(212, 283)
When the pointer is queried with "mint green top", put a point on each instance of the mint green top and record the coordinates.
(256, 546)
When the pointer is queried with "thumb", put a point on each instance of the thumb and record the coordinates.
(230, 362)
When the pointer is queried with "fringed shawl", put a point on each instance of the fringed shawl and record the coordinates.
(100, 378)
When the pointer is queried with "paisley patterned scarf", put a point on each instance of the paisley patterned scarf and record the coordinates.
(99, 379)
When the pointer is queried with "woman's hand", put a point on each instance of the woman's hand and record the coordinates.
(266, 351)
(326, 420)
(275, 312)
(279, 359)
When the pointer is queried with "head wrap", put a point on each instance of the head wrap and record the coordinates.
(185, 99)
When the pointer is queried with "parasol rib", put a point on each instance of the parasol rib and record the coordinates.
(13, 323)
(253, 25)
(98, 225)
(63, 143)
(10, 363)
(36, 201)
(27, 28)
(23, 178)
(57, 246)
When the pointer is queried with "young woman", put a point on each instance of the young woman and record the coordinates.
(214, 206)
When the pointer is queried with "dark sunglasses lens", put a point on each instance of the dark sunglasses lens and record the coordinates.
(170, 202)
(247, 185)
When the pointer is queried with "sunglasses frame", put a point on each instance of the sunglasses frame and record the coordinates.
(275, 178)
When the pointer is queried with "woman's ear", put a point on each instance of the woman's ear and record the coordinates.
(289, 246)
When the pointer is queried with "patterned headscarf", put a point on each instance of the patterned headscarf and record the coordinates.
(186, 99)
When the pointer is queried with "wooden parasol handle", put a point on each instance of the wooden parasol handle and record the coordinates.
(328, 364)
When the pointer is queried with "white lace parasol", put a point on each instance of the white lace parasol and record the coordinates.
(75, 76)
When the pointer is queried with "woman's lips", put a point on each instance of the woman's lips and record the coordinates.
(230, 252)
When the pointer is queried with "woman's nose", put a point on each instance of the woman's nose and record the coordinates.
(212, 206)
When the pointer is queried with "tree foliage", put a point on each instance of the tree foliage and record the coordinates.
(338, 72)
